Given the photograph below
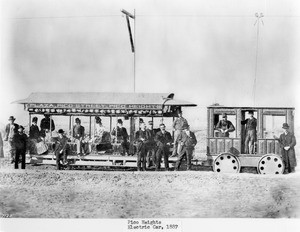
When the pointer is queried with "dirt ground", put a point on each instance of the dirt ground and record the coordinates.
(43, 192)
(34, 193)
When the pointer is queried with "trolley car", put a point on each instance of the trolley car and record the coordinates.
(228, 154)
(128, 106)
(224, 154)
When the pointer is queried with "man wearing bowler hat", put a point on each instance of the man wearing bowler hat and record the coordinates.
(21, 140)
(287, 143)
(60, 148)
(225, 126)
(151, 145)
(187, 141)
(178, 125)
(121, 136)
(163, 141)
(250, 139)
(11, 130)
(78, 135)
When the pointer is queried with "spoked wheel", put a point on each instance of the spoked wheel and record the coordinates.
(270, 164)
(227, 163)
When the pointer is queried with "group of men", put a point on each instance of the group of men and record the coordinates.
(17, 142)
(153, 144)
(225, 126)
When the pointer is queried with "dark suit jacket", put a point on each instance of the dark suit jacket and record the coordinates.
(163, 139)
(289, 156)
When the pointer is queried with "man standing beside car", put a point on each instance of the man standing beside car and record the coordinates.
(163, 141)
(178, 125)
(188, 141)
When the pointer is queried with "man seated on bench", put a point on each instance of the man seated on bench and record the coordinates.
(101, 139)
(121, 136)
(78, 135)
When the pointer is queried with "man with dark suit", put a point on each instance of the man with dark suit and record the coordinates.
(46, 125)
(121, 135)
(287, 143)
(250, 139)
(78, 135)
(11, 130)
(60, 148)
(187, 142)
(224, 126)
(151, 145)
(142, 137)
(163, 141)
(21, 147)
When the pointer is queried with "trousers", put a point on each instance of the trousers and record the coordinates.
(20, 153)
(141, 157)
(185, 153)
(176, 134)
(150, 158)
(58, 158)
(249, 141)
(162, 151)
(11, 149)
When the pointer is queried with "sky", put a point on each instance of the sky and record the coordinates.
(203, 51)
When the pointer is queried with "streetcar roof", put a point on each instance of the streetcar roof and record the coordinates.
(103, 98)
(134, 104)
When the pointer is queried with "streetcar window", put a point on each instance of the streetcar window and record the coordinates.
(231, 118)
(272, 125)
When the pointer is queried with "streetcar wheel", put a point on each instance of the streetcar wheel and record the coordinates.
(270, 164)
(227, 163)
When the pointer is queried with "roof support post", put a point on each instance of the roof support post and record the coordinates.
(90, 127)
(70, 128)
(29, 122)
(132, 129)
(50, 125)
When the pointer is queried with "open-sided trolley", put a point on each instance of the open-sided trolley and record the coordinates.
(128, 106)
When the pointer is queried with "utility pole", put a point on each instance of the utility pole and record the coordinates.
(258, 19)
(133, 50)
(132, 40)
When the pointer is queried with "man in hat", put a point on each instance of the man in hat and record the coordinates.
(151, 145)
(34, 131)
(34, 135)
(46, 125)
(250, 139)
(224, 126)
(178, 125)
(187, 141)
(142, 137)
(21, 145)
(98, 135)
(11, 130)
(121, 135)
(163, 141)
(99, 129)
(287, 143)
(78, 135)
(60, 148)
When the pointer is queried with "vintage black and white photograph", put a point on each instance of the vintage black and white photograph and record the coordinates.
(149, 112)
